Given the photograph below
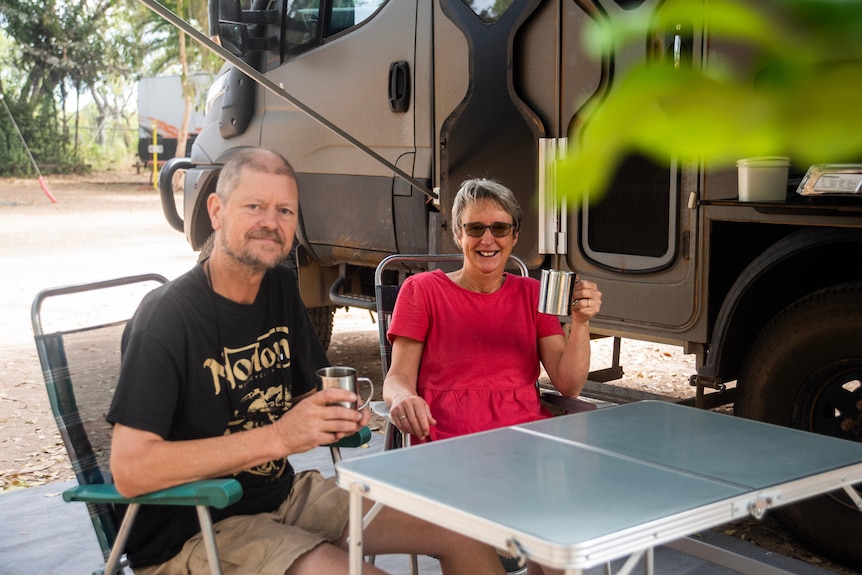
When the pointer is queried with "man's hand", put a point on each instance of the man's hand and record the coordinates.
(318, 420)
(143, 462)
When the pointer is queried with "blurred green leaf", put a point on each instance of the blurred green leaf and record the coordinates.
(803, 101)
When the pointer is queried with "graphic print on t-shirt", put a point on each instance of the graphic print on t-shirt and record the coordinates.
(253, 378)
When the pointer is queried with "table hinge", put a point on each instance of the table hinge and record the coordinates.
(515, 550)
(758, 507)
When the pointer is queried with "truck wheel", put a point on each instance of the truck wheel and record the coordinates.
(805, 371)
(322, 319)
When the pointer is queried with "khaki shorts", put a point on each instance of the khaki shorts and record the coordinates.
(316, 511)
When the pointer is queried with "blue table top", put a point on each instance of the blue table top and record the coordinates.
(740, 451)
(580, 489)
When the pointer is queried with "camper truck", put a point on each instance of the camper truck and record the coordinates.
(385, 106)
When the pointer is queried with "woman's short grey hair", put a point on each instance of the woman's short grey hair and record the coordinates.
(477, 189)
(255, 159)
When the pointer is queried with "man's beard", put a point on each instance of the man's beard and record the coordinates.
(247, 258)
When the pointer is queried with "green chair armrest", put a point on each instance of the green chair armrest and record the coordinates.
(218, 493)
(358, 439)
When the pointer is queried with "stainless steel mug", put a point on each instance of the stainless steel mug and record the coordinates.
(343, 378)
(555, 292)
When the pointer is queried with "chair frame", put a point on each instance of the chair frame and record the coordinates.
(101, 496)
(382, 296)
(93, 488)
(385, 297)
(385, 302)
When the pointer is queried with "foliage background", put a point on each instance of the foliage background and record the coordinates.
(68, 74)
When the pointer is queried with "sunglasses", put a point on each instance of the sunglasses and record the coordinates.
(477, 230)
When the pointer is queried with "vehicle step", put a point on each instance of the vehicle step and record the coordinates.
(359, 297)
(361, 301)
(618, 394)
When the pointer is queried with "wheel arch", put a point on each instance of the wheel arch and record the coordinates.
(794, 266)
(198, 224)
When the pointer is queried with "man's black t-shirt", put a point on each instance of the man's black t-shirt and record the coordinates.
(197, 365)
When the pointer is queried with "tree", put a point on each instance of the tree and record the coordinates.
(173, 51)
(69, 46)
(100, 47)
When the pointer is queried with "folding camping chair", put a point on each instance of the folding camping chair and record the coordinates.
(388, 277)
(81, 365)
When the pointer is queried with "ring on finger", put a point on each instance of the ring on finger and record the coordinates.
(403, 417)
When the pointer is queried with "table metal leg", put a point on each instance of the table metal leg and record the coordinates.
(355, 533)
(649, 561)
(632, 561)
(852, 494)
(724, 557)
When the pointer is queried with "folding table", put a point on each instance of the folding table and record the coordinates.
(577, 491)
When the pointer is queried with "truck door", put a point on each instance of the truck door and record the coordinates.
(485, 127)
(636, 239)
(512, 79)
(353, 62)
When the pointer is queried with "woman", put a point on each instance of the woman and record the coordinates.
(476, 332)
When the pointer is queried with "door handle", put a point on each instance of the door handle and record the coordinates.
(681, 46)
(399, 86)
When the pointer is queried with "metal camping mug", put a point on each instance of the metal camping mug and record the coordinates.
(555, 292)
(343, 378)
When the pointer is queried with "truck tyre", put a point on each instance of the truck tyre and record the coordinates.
(804, 371)
(322, 318)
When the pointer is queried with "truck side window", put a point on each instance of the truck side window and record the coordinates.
(301, 24)
(489, 10)
(347, 13)
(307, 18)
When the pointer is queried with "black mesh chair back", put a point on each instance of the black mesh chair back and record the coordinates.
(389, 276)
(81, 363)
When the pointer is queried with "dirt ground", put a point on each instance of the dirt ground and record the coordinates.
(111, 224)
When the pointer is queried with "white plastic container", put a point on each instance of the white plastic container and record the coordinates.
(763, 179)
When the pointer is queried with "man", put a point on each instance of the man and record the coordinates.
(218, 380)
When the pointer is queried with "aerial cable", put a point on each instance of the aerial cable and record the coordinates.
(32, 160)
